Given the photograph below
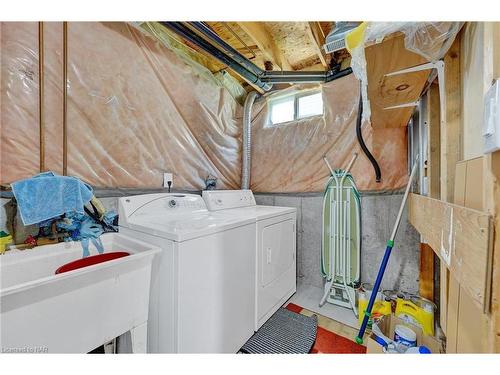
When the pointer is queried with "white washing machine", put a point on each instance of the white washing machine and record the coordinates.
(203, 281)
(275, 247)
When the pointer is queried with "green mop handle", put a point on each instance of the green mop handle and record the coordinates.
(385, 259)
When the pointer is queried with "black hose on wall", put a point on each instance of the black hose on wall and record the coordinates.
(378, 175)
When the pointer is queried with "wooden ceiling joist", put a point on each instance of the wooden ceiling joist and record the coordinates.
(318, 39)
(261, 37)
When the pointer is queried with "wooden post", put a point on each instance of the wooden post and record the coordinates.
(451, 149)
(493, 205)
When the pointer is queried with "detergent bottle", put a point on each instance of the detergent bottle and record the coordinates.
(417, 311)
(380, 307)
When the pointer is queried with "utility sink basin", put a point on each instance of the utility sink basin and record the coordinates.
(78, 310)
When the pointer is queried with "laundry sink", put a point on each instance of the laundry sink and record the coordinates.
(78, 310)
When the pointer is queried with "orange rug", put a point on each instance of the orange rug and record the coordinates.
(328, 342)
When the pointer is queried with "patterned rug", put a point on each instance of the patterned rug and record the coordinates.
(328, 342)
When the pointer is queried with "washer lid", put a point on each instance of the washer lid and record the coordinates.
(177, 217)
(186, 227)
(261, 212)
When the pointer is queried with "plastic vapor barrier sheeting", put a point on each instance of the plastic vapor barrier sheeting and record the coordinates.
(289, 157)
(137, 107)
(135, 110)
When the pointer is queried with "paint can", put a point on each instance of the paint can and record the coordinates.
(405, 336)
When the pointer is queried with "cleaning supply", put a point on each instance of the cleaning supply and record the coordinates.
(385, 259)
(419, 312)
(5, 239)
(47, 196)
(405, 336)
(380, 308)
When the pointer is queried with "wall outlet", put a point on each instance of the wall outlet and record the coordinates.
(168, 177)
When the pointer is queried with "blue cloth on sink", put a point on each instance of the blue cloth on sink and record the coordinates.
(47, 196)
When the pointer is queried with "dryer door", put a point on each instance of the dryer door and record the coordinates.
(278, 250)
(276, 264)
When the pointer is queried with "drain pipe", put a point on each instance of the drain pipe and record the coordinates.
(359, 135)
(247, 139)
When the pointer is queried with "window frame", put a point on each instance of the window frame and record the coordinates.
(296, 96)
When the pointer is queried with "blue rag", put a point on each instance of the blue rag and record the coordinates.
(47, 196)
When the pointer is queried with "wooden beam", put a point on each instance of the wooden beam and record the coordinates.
(318, 40)
(450, 150)
(451, 139)
(492, 203)
(433, 162)
(460, 237)
(262, 38)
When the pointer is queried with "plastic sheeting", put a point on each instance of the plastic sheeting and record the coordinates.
(147, 112)
(135, 110)
(19, 148)
(428, 39)
(288, 158)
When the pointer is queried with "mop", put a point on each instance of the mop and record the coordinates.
(385, 259)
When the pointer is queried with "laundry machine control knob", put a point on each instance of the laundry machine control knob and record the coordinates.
(172, 203)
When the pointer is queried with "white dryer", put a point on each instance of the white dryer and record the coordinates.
(203, 281)
(275, 247)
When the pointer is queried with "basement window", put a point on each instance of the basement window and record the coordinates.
(294, 107)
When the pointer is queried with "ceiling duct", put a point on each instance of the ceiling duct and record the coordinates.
(335, 40)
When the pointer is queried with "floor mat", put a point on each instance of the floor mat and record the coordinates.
(286, 332)
(329, 342)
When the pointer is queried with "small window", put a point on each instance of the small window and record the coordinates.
(295, 107)
(310, 105)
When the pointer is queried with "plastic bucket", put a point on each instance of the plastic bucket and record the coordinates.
(404, 335)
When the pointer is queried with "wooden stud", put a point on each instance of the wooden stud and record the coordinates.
(450, 149)
(41, 92)
(318, 40)
(65, 98)
(261, 37)
(433, 136)
(451, 139)
(493, 206)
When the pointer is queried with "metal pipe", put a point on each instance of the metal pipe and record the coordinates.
(241, 65)
(378, 175)
(191, 36)
(303, 76)
(233, 53)
(247, 139)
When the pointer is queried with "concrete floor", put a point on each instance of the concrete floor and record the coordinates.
(308, 296)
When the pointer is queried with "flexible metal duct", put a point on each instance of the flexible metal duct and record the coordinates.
(247, 139)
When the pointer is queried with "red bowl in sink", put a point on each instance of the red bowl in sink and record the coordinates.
(90, 261)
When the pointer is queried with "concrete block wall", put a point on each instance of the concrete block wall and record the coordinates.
(378, 213)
